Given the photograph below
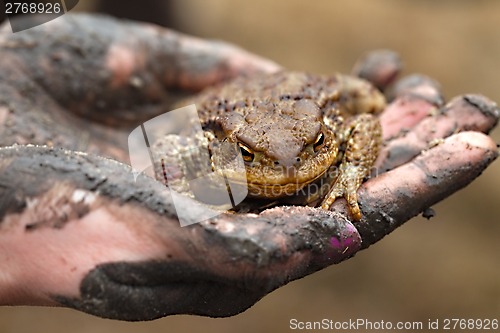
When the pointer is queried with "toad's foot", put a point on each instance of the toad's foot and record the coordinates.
(363, 136)
(346, 185)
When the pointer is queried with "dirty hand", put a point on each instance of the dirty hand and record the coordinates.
(76, 230)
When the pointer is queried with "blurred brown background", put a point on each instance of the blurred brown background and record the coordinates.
(447, 267)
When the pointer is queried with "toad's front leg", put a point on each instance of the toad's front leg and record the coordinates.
(363, 139)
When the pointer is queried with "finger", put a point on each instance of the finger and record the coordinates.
(468, 112)
(413, 98)
(421, 86)
(229, 61)
(402, 114)
(85, 235)
(118, 68)
(380, 67)
(391, 199)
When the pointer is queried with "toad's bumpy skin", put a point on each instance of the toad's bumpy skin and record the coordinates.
(304, 136)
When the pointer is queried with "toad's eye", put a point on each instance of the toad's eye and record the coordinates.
(246, 152)
(320, 140)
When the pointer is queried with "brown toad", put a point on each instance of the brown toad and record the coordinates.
(303, 137)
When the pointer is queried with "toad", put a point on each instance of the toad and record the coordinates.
(304, 138)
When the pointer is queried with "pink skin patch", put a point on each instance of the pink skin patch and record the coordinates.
(123, 62)
(4, 112)
(404, 113)
(348, 241)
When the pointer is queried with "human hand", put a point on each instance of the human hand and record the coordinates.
(77, 231)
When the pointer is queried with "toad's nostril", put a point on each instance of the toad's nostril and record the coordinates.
(291, 162)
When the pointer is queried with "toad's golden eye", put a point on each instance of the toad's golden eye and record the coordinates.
(320, 140)
(246, 152)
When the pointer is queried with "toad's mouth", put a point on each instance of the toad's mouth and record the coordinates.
(277, 186)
